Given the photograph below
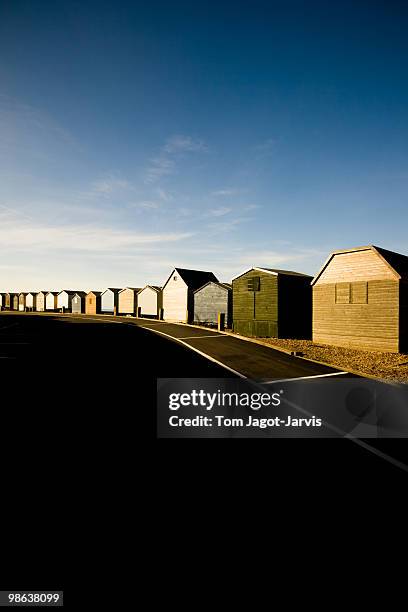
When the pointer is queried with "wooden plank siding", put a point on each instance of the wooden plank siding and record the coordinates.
(127, 301)
(371, 326)
(360, 302)
(359, 265)
(93, 303)
(255, 313)
(41, 300)
(210, 300)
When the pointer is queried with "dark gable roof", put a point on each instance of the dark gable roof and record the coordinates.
(397, 261)
(195, 279)
(95, 292)
(80, 293)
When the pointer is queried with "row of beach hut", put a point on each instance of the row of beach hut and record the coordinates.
(358, 299)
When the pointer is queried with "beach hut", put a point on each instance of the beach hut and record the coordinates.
(93, 302)
(16, 297)
(178, 293)
(360, 300)
(110, 301)
(127, 301)
(149, 302)
(22, 301)
(2, 301)
(31, 300)
(268, 302)
(210, 300)
(41, 300)
(51, 301)
(78, 302)
(64, 300)
(9, 301)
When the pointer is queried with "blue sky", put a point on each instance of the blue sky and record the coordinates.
(138, 136)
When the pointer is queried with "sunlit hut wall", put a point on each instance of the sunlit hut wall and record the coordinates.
(51, 301)
(78, 303)
(178, 293)
(211, 300)
(41, 300)
(22, 302)
(268, 302)
(127, 301)
(149, 301)
(360, 300)
(64, 300)
(15, 301)
(93, 302)
(31, 300)
(110, 300)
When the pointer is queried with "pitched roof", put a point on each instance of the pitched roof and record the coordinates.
(154, 287)
(131, 288)
(276, 272)
(226, 286)
(397, 262)
(94, 292)
(194, 279)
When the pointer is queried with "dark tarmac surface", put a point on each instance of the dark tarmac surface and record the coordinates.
(128, 345)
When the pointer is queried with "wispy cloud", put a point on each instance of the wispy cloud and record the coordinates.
(179, 143)
(15, 234)
(164, 163)
(106, 186)
(219, 212)
(145, 204)
(224, 192)
(251, 207)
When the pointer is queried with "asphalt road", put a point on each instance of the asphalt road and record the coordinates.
(142, 347)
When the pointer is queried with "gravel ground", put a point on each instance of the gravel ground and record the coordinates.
(388, 366)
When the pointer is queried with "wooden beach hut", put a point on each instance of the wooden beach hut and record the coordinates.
(127, 301)
(149, 302)
(178, 293)
(360, 300)
(210, 300)
(51, 301)
(110, 301)
(22, 301)
(64, 300)
(41, 300)
(31, 300)
(78, 302)
(268, 302)
(93, 302)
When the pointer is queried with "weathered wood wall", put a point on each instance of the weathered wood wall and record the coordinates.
(211, 300)
(41, 301)
(255, 313)
(356, 303)
(372, 326)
